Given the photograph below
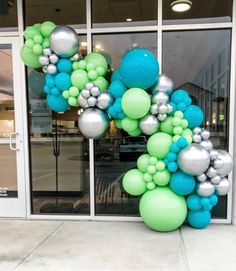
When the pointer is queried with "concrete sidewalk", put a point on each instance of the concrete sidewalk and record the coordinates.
(123, 246)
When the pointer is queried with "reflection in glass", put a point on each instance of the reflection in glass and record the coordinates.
(8, 15)
(198, 61)
(117, 152)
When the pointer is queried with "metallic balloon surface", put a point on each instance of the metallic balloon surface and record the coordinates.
(64, 41)
(207, 144)
(223, 187)
(160, 98)
(216, 179)
(104, 100)
(93, 123)
(149, 125)
(228, 163)
(194, 159)
(205, 189)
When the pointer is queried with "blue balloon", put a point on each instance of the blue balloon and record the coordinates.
(50, 80)
(117, 88)
(47, 89)
(194, 203)
(194, 115)
(64, 65)
(213, 199)
(115, 75)
(62, 81)
(139, 68)
(55, 91)
(172, 166)
(182, 183)
(199, 219)
(57, 103)
(179, 96)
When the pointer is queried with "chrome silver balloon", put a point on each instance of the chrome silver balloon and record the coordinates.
(165, 84)
(85, 93)
(149, 125)
(207, 144)
(154, 109)
(52, 69)
(228, 163)
(170, 108)
(43, 60)
(75, 57)
(218, 163)
(205, 189)
(53, 58)
(45, 69)
(211, 172)
(205, 134)
(197, 130)
(197, 138)
(47, 51)
(104, 100)
(216, 179)
(93, 123)
(64, 41)
(161, 117)
(213, 154)
(160, 98)
(202, 178)
(223, 187)
(194, 159)
(163, 109)
(95, 91)
(92, 101)
(82, 101)
(89, 85)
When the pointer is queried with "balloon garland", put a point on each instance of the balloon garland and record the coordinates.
(181, 176)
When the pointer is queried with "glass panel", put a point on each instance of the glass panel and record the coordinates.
(116, 153)
(201, 11)
(113, 13)
(8, 15)
(71, 12)
(59, 154)
(188, 56)
(8, 177)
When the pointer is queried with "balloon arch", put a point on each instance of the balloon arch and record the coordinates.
(181, 175)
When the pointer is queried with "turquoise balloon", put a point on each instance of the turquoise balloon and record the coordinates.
(182, 183)
(115, 75)
(117, 88)
(62, 81)
(64, 65)
(194, 115)
(199, 219)
(57, 103)
(139, 68)
(194, 203)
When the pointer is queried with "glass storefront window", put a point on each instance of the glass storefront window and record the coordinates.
(8, 15)
(201, 11)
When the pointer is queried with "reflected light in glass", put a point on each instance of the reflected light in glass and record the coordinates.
(181, 5)
(129, 20)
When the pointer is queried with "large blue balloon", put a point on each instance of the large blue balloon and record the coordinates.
(199, 219)
(194, 115)
(139, 68)
(62, 81)
(57, 103)
(182, 183)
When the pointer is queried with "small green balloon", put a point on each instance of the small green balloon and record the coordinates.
(134, 183)
(29, 58)
(37, 49)
(72, 101)
(118, 123)
(92, 75)
(143, 162)
(163, 210)
(81, 65)
(46, 43)
(129, 124)
(66, 94)
(30, 32)
(102, 83)
(162, 178)
(47, 28)
(166, 126)
(101, 70)
(135, 103)
(97, 60)
(90, 66)
(151, 185)
(73, 91)
(29, 43)
(158, 145)
(38, 39)
(79, 79)
(38, 26)
(135, 132)
(147, 177)
(160, 165)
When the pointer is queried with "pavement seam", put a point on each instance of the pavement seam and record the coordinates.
(183, 252)
(39, 244)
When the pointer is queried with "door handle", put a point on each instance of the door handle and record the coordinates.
(11, 143)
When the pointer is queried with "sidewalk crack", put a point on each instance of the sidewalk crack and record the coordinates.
(183, 252)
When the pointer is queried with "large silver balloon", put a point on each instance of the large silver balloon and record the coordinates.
(205, 189)
(223, 187)
(64, 41)
(228, 163)
(194, 159)
(104, 100)
(149, 125)
(160, 98)
(207, 144)
(93, 123)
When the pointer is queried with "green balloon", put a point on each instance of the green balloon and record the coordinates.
(135, 132)
(29, 58)
(47, 28)
(162, 178)
(30, 32)
(74, 92)
(129, 124)
(166, 126)
(143, 162)
(37, 49)
(96, 59)
(163, 210)
(158, 145)
(118, 123)
(135, 103)
(134, 183)
(38, 26)
(46, 43)
(79, 79)
(101, 82)
(73, 101)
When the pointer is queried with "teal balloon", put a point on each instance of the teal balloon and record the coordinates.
(199, 219)
(194, 115)
(194, 203)
(57, 103)
(62, 81)
(117, 88)
(182, 183)
(115, 75)
(134, 183)
(64, 65)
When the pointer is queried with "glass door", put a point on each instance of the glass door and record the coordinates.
(12, 177)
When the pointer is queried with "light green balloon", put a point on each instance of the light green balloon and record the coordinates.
(29, 58)
(135, 103)
(96, 59)
(118, 123)
(143, 162)
(47, 28)
(38, 26)
(73, 101)
(166, 126)
(66, 94)
(30, 32)
(135, 132)
(46, 43)
(101, 82)
(73, 91)
(162, 178)
(158, 145)
(163, 210)
(129, 124)
(79, 79)
(92, 75)
(134, 183)
(37, 49)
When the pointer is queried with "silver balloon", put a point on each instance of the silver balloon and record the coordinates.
(197, 138)
(43, 60)
(216, 179)
(228, 163)
(165, 84)
(93, 123)
(92, 101)
(95, 91)
(218, 163)
(223, 187)
(45, 69)
(160, 98)
(75, 57)
(161, 117)
(52, 69)
(104, 100)
(194, 159)
(47, 51)
(163, 109)
(207, 144)
(149, 125)
(205, 189)
(53, 58)
(202, 178)
(82, 101)
(213, 154)
(64, 41)
(89, 85)
(85, 93)
(170, 108)
(197, 130)
(205, 134)
(211, 172)
(154, 109)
